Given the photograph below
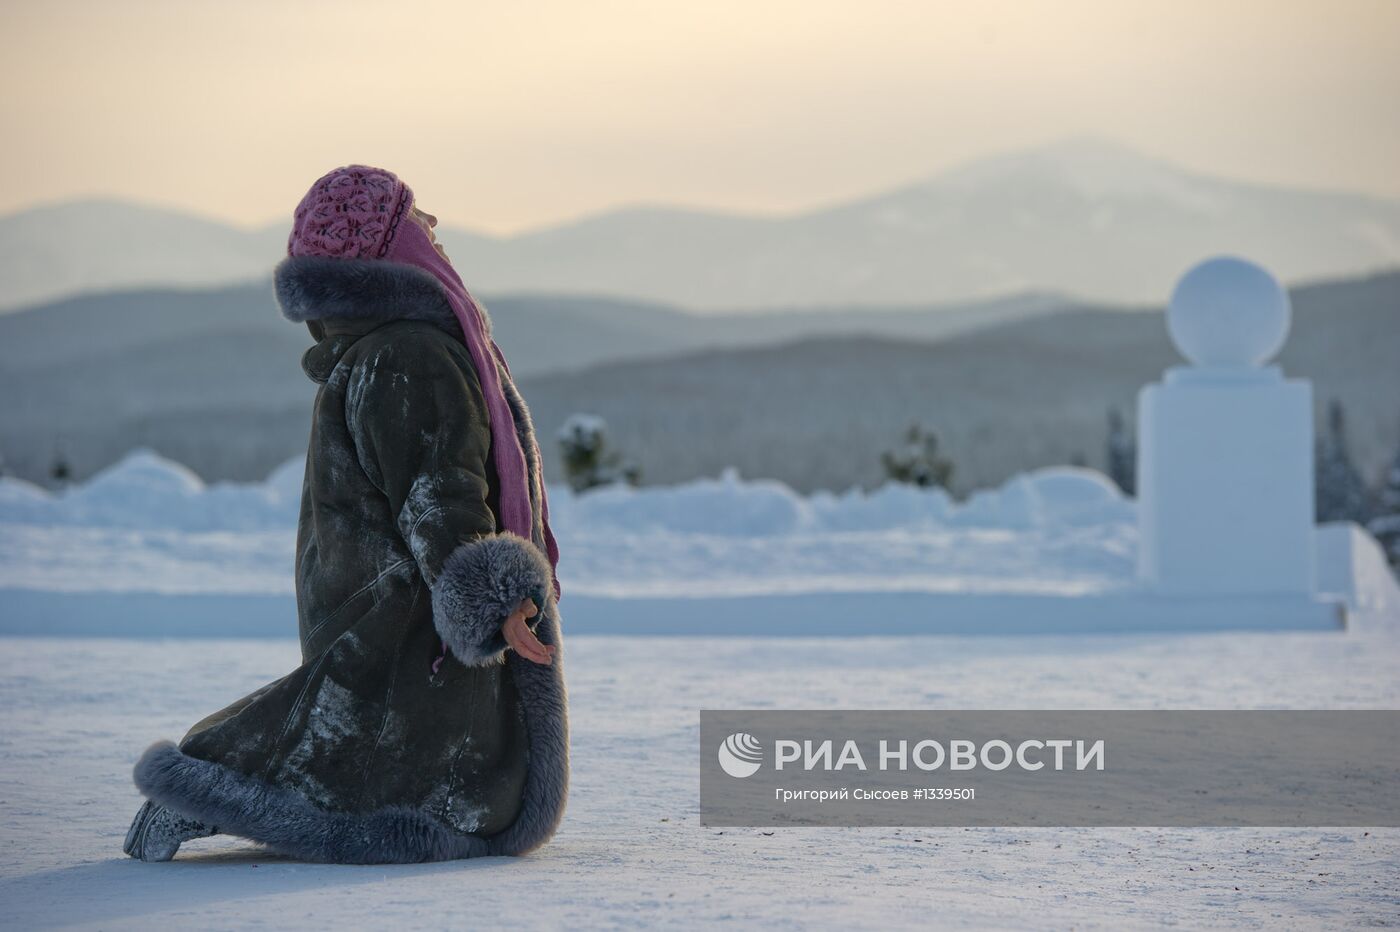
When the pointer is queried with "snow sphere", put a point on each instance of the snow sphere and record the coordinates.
(1228, 312)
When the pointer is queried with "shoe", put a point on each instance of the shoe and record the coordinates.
(157, 833)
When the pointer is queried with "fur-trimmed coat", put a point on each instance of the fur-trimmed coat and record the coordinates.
(363, 753)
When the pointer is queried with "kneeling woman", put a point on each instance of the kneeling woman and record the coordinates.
(428, 719)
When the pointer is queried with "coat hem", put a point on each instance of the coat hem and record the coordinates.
(289, 823)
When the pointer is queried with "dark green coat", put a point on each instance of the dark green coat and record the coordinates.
(363, 753)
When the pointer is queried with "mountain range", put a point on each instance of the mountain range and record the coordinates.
(1085, 218)
(211, 378)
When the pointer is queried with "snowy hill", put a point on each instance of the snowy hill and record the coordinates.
(1084, 217)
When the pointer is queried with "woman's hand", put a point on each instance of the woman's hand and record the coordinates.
(519, 636)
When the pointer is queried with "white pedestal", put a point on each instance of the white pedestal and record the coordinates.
(1225, 483)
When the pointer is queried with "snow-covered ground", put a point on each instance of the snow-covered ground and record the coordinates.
(74, 713)
(146, 548)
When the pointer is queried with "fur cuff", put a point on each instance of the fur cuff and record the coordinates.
(481, 583)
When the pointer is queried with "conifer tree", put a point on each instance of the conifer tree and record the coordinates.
(918, 462)
(60, 472)
(1122, 454)
(1341, 495)
(1385, 525)
(588, 460)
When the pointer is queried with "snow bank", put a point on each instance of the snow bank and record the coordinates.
(1352, 565)
(147, 548)
(147, 492)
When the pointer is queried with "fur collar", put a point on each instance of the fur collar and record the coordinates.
(312, 288)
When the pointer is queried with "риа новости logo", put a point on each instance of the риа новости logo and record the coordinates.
(741, 755)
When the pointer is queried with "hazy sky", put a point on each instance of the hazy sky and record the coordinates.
(508, 115)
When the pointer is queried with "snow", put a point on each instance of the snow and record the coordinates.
(75, 713)
(581, 425)
(146, 491)
(1229, 312)
(147, 549)
(1093, 169)
(1226, 496)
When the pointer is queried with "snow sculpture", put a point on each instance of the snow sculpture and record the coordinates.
(1225, 462)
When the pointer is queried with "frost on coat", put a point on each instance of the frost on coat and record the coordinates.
(364, 739)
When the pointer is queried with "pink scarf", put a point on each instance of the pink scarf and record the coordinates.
(359, 212)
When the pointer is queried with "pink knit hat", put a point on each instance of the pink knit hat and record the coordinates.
(357, 212)
(350, 213)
